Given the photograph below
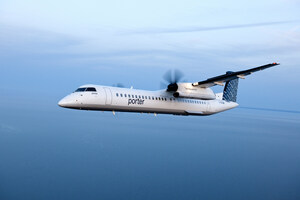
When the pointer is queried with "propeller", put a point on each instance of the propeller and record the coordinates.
(171, 78)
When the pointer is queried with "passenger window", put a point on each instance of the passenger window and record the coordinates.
(155, 98)
(142, 97)
(117, 94)
(152, 98)
(139, 96)
(121, 95)
(135, 96)
(125, 95)
(149, 97)
(129, 95)
(145, 97)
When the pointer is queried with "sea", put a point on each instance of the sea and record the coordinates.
(55, 153)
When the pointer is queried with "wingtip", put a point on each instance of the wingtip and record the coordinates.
(275, 63)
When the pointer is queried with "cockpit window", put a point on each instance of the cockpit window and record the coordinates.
(80, 90)
(91, 89)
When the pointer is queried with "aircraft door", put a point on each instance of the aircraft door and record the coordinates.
(208, 106)
(108, 96)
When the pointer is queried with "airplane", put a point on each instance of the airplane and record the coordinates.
(179, 98)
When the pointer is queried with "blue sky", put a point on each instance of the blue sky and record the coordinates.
(50, 44)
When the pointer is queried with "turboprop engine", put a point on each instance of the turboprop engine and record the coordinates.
(171, 79)
(189, 91)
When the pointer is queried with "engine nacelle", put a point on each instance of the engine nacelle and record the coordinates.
(189, 91)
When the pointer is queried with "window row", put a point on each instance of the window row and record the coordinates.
(141, 96)
(160, 98)
(192, 101)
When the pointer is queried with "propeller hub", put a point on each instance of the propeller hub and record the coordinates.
(171, 78)
(173, 87)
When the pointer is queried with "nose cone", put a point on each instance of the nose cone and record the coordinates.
(63, 103)
(70, 101)
(67, 102)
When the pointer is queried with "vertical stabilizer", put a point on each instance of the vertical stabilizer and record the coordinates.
(230, 89)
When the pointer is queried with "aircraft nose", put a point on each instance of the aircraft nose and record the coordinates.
(62, 102)
(65, 102)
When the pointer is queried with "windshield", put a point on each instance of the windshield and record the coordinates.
(90, 89)
(84, 89)
(80, 90)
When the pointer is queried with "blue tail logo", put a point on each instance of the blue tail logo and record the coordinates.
(230, 89)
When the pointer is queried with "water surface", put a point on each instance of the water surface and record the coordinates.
(55, 153)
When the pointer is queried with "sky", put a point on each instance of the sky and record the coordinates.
(52, 44)
(49, 48)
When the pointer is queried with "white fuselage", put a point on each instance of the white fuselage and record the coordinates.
(131, 100)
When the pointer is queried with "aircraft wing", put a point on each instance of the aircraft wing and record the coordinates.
(219, 80)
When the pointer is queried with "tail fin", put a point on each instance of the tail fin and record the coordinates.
(230, 89)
